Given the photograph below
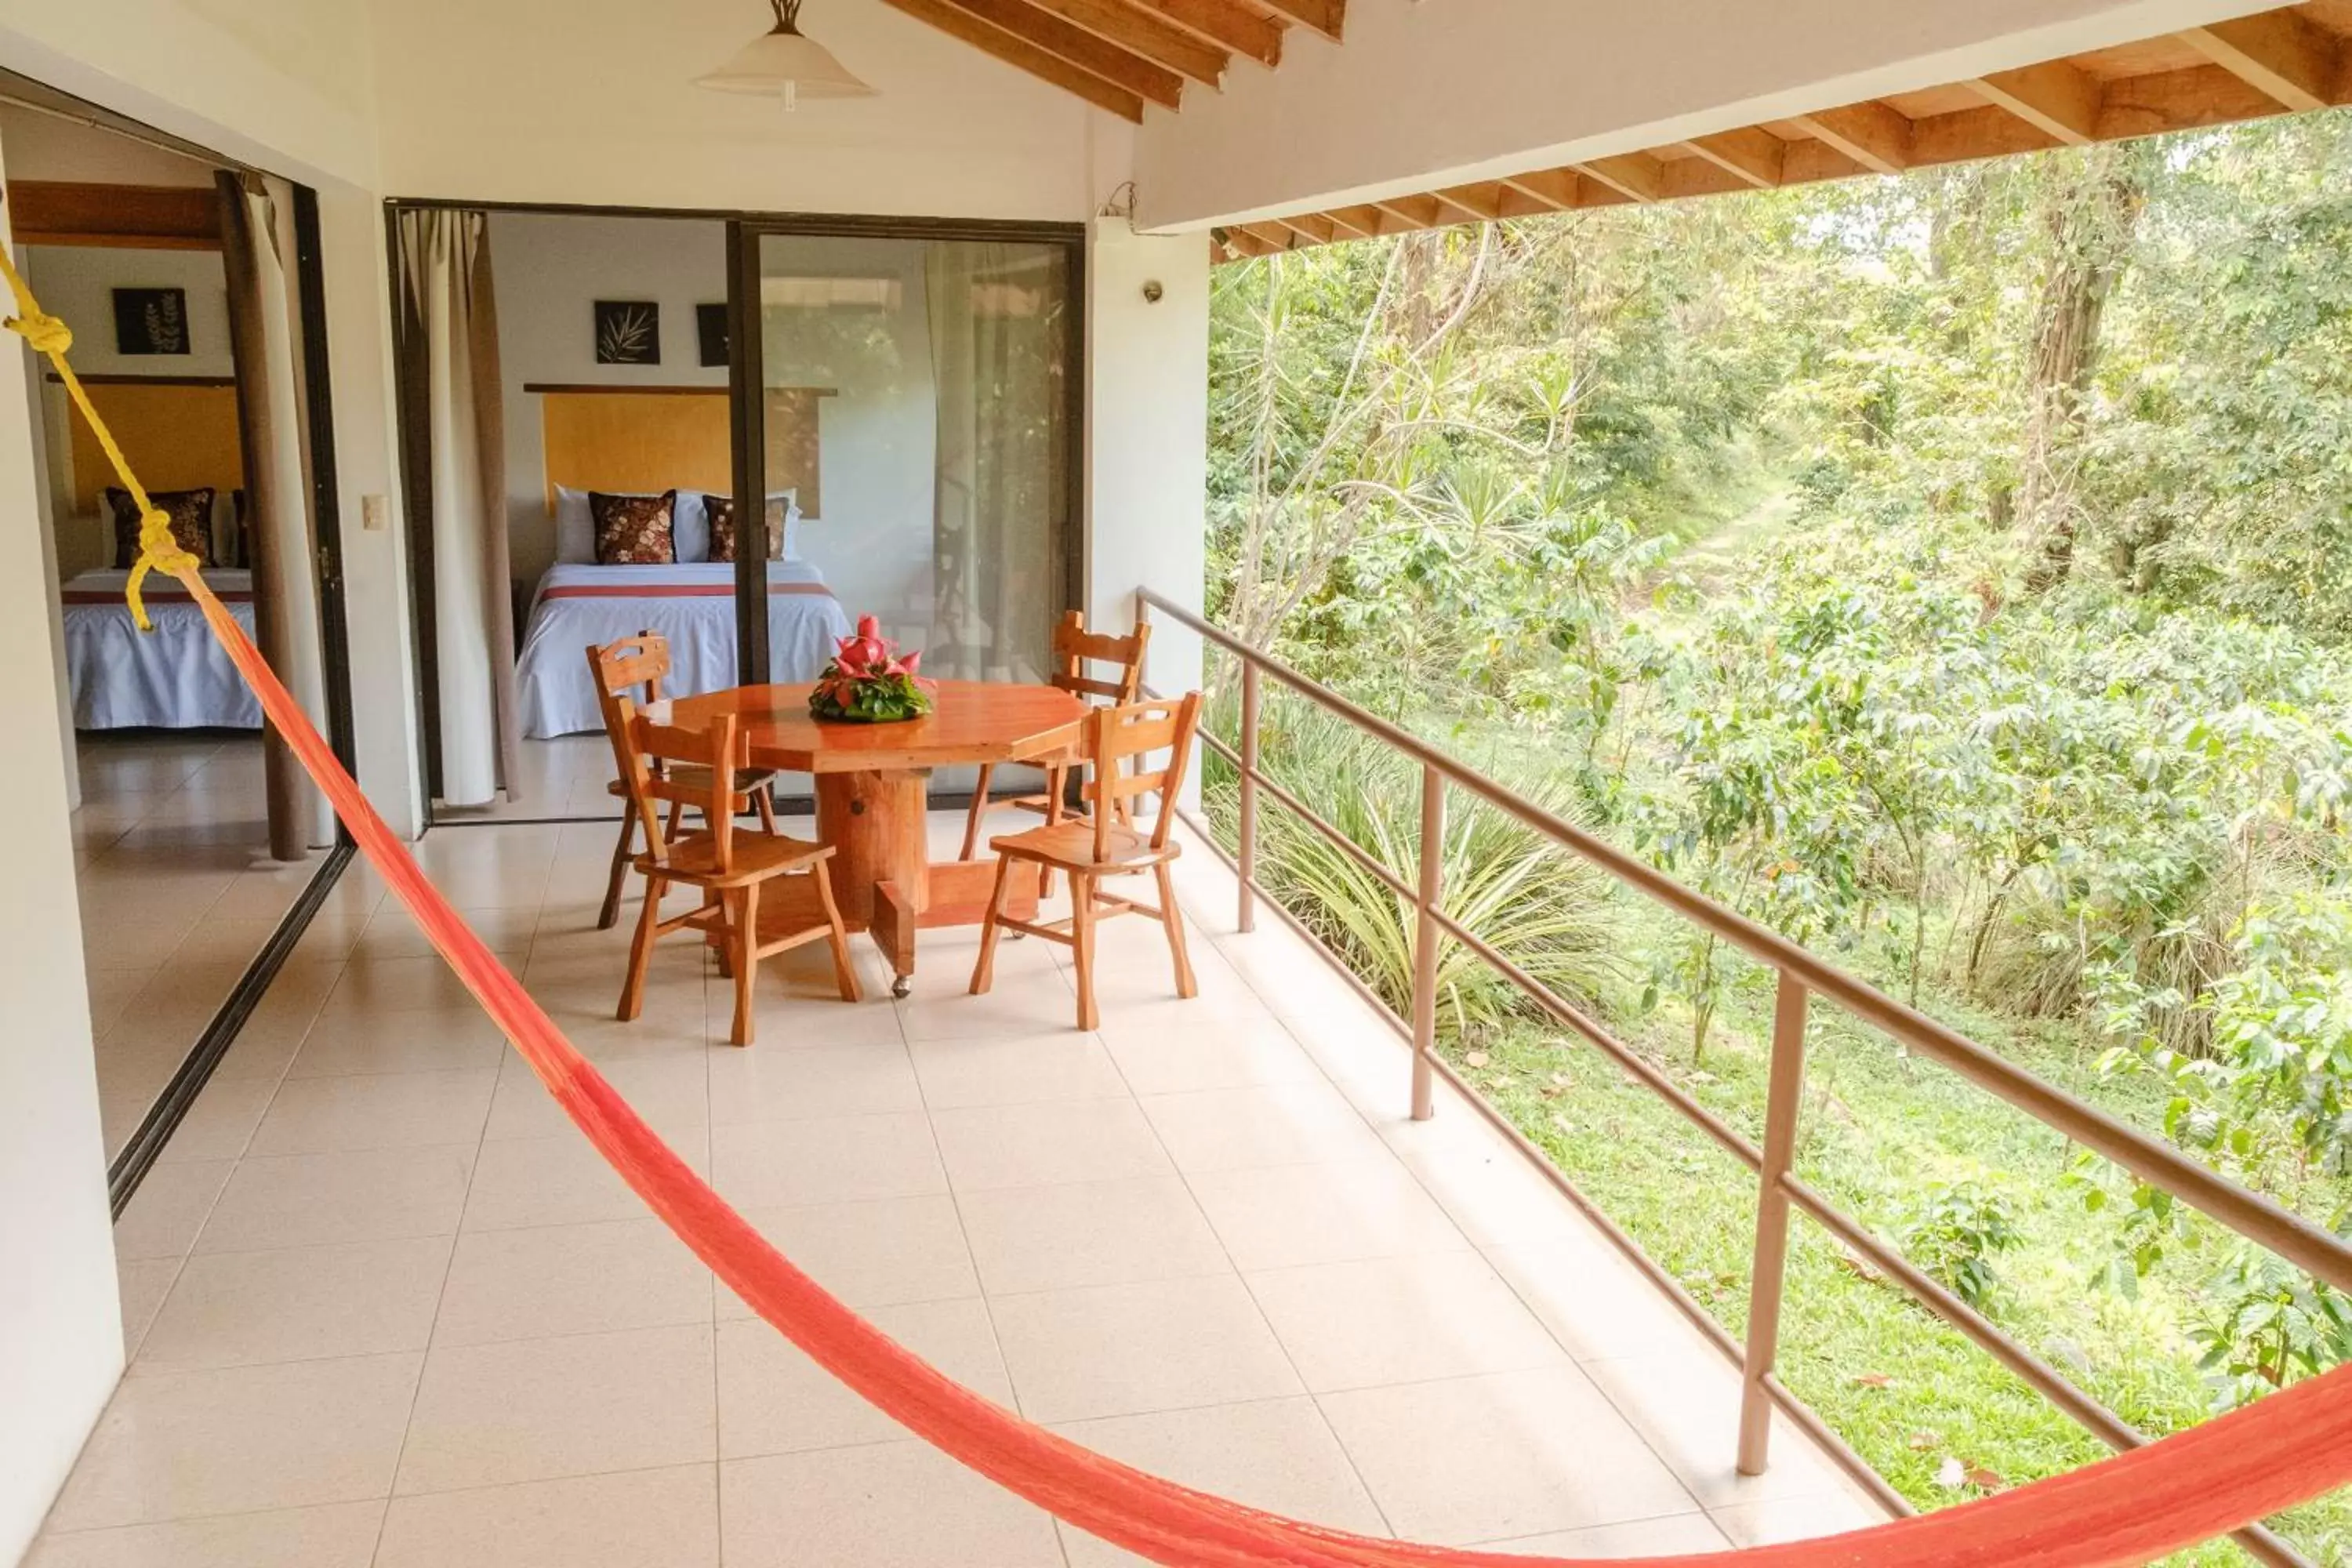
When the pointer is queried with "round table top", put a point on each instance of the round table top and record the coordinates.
(971, 721)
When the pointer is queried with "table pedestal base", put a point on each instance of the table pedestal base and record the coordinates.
(883, 876)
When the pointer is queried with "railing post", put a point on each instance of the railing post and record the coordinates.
(1783, 1097)
(1246, 917)
(1425, 939)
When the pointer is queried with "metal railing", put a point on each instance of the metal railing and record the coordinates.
(1801, 977)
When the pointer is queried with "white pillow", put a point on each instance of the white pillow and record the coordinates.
(689, 525)
(575, 529)
(575, 526)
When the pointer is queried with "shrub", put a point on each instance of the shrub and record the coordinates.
(1533, 900)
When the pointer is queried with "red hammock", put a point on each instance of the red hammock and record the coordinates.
(2185, 1489)
(2204, 1483)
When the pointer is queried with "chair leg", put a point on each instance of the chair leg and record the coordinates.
(984, 973)
(1082, 945)
(722, 954)
(1186, 985)
(641, 953)
(979, 808)
(1056, 780)
(845, 973)
(677, 816)
(610, 915)
(743, 941)
(764, 797)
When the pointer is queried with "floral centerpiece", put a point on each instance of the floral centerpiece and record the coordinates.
(870, 682)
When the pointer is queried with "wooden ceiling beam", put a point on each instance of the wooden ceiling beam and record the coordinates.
(1022, 55)
(1872, 134)
(1273, 236)
(1753, 154)
(1362, 223)
(141, 217)
(1329, 17)
(2056, 99)
(2278, 54)
(1096, 56)
(1146, 34)
(1638, 177)
(1225, 23)
(1241, 241)
(1312, 227)
(1483, 202)
(1561, 190)
(1414, 212)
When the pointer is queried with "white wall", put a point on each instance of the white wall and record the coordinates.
(1422, 96)
(60, 1326)
(593, 101)
(551, 271)
(1147, 454)
(286, 85)
(76, 283)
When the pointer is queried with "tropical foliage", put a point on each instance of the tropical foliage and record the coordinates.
(1953, 573)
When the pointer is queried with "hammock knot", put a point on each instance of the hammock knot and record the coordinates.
(46, 333)
(159, 550)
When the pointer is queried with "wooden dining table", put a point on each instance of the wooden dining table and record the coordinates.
(873, 794)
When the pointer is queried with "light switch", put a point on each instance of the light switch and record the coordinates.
(375, 514)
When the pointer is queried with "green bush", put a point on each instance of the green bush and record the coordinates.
(1532, 901)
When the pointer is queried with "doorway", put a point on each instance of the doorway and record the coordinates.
(914, 437)
(192, 285)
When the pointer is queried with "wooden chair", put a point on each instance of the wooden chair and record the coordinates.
(1074, 649)
(1104, 843)
(625, 669)
(729, 867)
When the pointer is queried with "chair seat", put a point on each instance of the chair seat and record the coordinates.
(1071, 845)
(689, 775)
(757, 855)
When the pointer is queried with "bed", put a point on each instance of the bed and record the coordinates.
(175, 677)
(643, 441)
(577, 605)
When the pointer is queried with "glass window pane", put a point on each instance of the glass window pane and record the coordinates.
(916, 415)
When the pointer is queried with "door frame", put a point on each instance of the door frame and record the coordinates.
(128, 1166)
(745, 227)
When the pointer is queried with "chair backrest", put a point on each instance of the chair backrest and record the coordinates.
(632, 665)
(1074, 649)
(649, 743)
(1137, 729)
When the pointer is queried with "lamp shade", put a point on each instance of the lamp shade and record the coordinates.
(785, 64)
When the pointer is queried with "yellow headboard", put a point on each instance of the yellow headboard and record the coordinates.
(627, 439)
(185, 433)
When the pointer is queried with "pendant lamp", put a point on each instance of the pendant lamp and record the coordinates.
(783, 63)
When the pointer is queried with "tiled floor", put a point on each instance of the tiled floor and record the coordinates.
(562, 777)
(386, 1308)
(178, 893)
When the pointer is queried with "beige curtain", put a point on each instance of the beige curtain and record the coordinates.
(279, 537)
(452, 307)
(995, 318)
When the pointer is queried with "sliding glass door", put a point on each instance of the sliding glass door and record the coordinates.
(917, 443)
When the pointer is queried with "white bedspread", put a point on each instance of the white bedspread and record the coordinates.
(176, 678)
(557, 696)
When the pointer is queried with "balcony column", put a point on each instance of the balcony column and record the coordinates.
(1148, 436)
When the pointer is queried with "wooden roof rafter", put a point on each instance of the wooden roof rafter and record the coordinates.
(1122, 55)
(2297, 59)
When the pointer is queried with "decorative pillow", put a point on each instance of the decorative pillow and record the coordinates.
(634, 530)
(191, 512)
(782, 515)
(575, 529)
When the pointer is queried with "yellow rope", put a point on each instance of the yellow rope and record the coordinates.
(158, 549)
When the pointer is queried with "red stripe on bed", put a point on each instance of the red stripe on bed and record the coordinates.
(676, 591)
